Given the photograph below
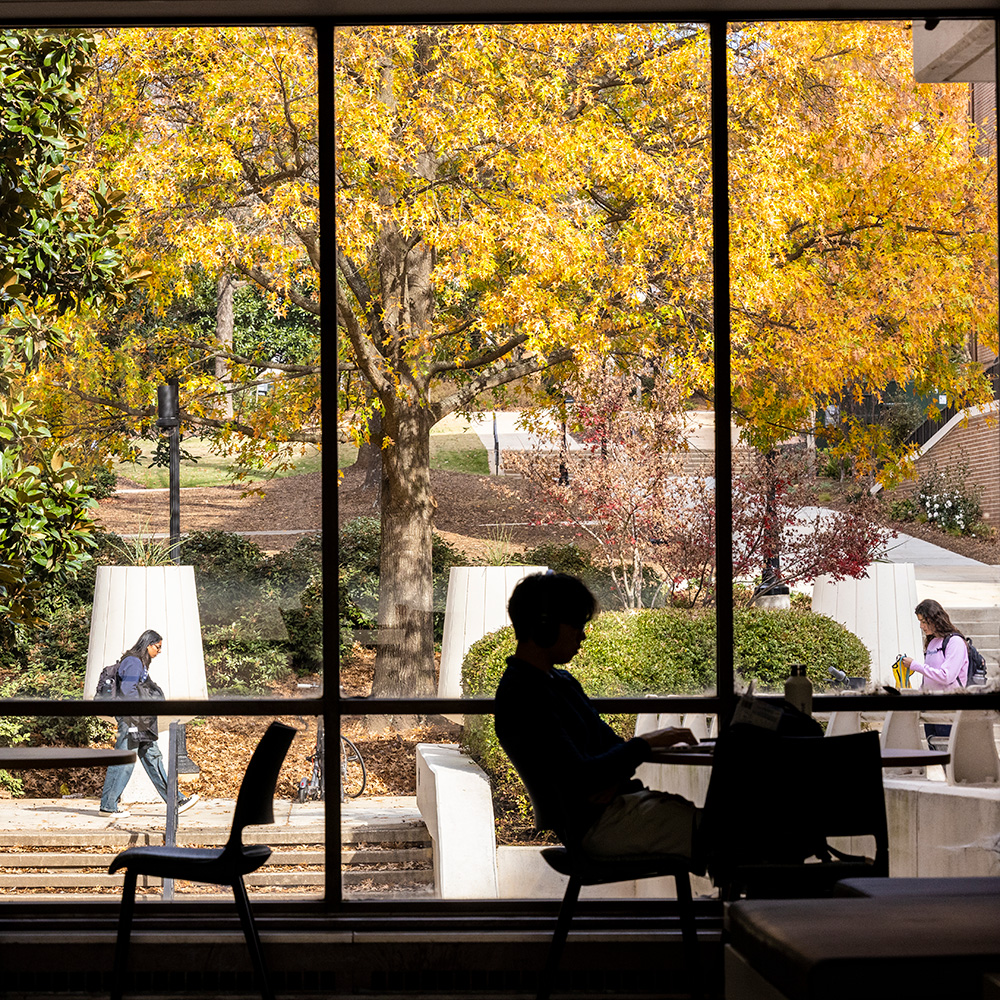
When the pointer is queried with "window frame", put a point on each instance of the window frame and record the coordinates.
(323, 16)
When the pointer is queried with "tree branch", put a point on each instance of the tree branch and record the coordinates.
(483, 360)
(220, 352)
(497, 377)
(262, 280)
(149, 412)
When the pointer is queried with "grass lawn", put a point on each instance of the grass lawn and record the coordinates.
(209, 470)
(454, 446)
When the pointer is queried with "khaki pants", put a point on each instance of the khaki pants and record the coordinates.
(643, 822)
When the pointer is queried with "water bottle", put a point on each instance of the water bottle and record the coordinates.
(798, 689)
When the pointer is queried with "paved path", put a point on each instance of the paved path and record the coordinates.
(512, 436)
(952, 579)
(42, 818)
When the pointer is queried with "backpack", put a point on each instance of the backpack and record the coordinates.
(976, 674)
(107, 683)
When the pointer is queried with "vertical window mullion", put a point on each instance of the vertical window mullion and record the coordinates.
(334, 893)
(723, 391)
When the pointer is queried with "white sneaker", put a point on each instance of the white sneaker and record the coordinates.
(116, 814)
(187, 803)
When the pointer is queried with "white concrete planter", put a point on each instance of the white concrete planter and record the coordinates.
(878, 609)
(476, 606)
(127, 601)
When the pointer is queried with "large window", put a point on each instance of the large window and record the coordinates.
(601, 293)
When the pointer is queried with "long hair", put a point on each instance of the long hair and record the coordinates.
(937, 618)
(141, 647)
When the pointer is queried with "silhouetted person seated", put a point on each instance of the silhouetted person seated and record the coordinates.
(574, 765)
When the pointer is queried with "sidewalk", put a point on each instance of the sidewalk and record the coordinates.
(41, 819)
(952, 579)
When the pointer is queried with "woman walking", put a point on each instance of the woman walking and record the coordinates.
(138, 733)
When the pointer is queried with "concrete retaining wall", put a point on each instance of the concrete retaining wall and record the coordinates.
(934, 829)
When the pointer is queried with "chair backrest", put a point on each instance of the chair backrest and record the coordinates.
(255, 802)
(775, 799)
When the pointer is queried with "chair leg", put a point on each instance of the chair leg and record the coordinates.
(689, 933)
(124, 934)
(252, 938)
(559, 938)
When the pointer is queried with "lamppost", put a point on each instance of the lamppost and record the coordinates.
(169, 419)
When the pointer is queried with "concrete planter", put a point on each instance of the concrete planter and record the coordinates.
(127, 601)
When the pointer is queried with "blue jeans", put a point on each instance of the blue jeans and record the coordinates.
(118, 774)
(936, 729)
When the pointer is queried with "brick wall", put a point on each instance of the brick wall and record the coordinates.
(977, 443)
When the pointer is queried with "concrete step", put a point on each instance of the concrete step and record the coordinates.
(403, 859)
(987, 615)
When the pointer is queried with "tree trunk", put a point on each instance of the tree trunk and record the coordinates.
(370, 453)
(404, 661)
(224, 334)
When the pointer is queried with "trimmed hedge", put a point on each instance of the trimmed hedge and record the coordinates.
(659, 651)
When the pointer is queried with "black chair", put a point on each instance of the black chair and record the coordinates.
(774, 800)
(582, 870)
(214, 865)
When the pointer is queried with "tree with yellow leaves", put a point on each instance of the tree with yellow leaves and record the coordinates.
(212, 133)
(510, 197)
(863, 232)
(506, 196)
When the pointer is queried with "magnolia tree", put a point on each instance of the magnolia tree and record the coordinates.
(637, 495)
(58, 260)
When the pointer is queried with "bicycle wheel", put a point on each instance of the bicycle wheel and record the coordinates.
(352, 769)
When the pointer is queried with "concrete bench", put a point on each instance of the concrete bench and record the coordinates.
(890, 948)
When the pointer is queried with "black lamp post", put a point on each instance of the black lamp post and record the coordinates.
(169, 418)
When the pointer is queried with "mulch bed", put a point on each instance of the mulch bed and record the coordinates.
(469, 512)
(294, 503)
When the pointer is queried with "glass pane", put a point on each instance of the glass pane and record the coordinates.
(185, 160)
(537, 390)
(386, 842)
(467, 833)
(61, 824)
(864, 318)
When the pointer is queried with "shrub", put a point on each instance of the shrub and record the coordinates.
(358, 548)
(358, 577)
(903, 510)
(294, 568)
(241, 658)
(305, 630)
(661, 651)
(560, 558)
(358, 606)
(221, 554)
(949, 499)
(102, 482)
(55, 665)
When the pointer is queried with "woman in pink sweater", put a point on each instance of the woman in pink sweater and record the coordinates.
(945, 665)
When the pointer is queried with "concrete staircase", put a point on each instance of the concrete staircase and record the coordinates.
(377, 857)
(982, 626)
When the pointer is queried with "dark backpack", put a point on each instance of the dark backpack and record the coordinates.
(107, 684)
(976, 674)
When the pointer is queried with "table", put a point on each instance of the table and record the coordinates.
(32, 758)
(703, 755)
